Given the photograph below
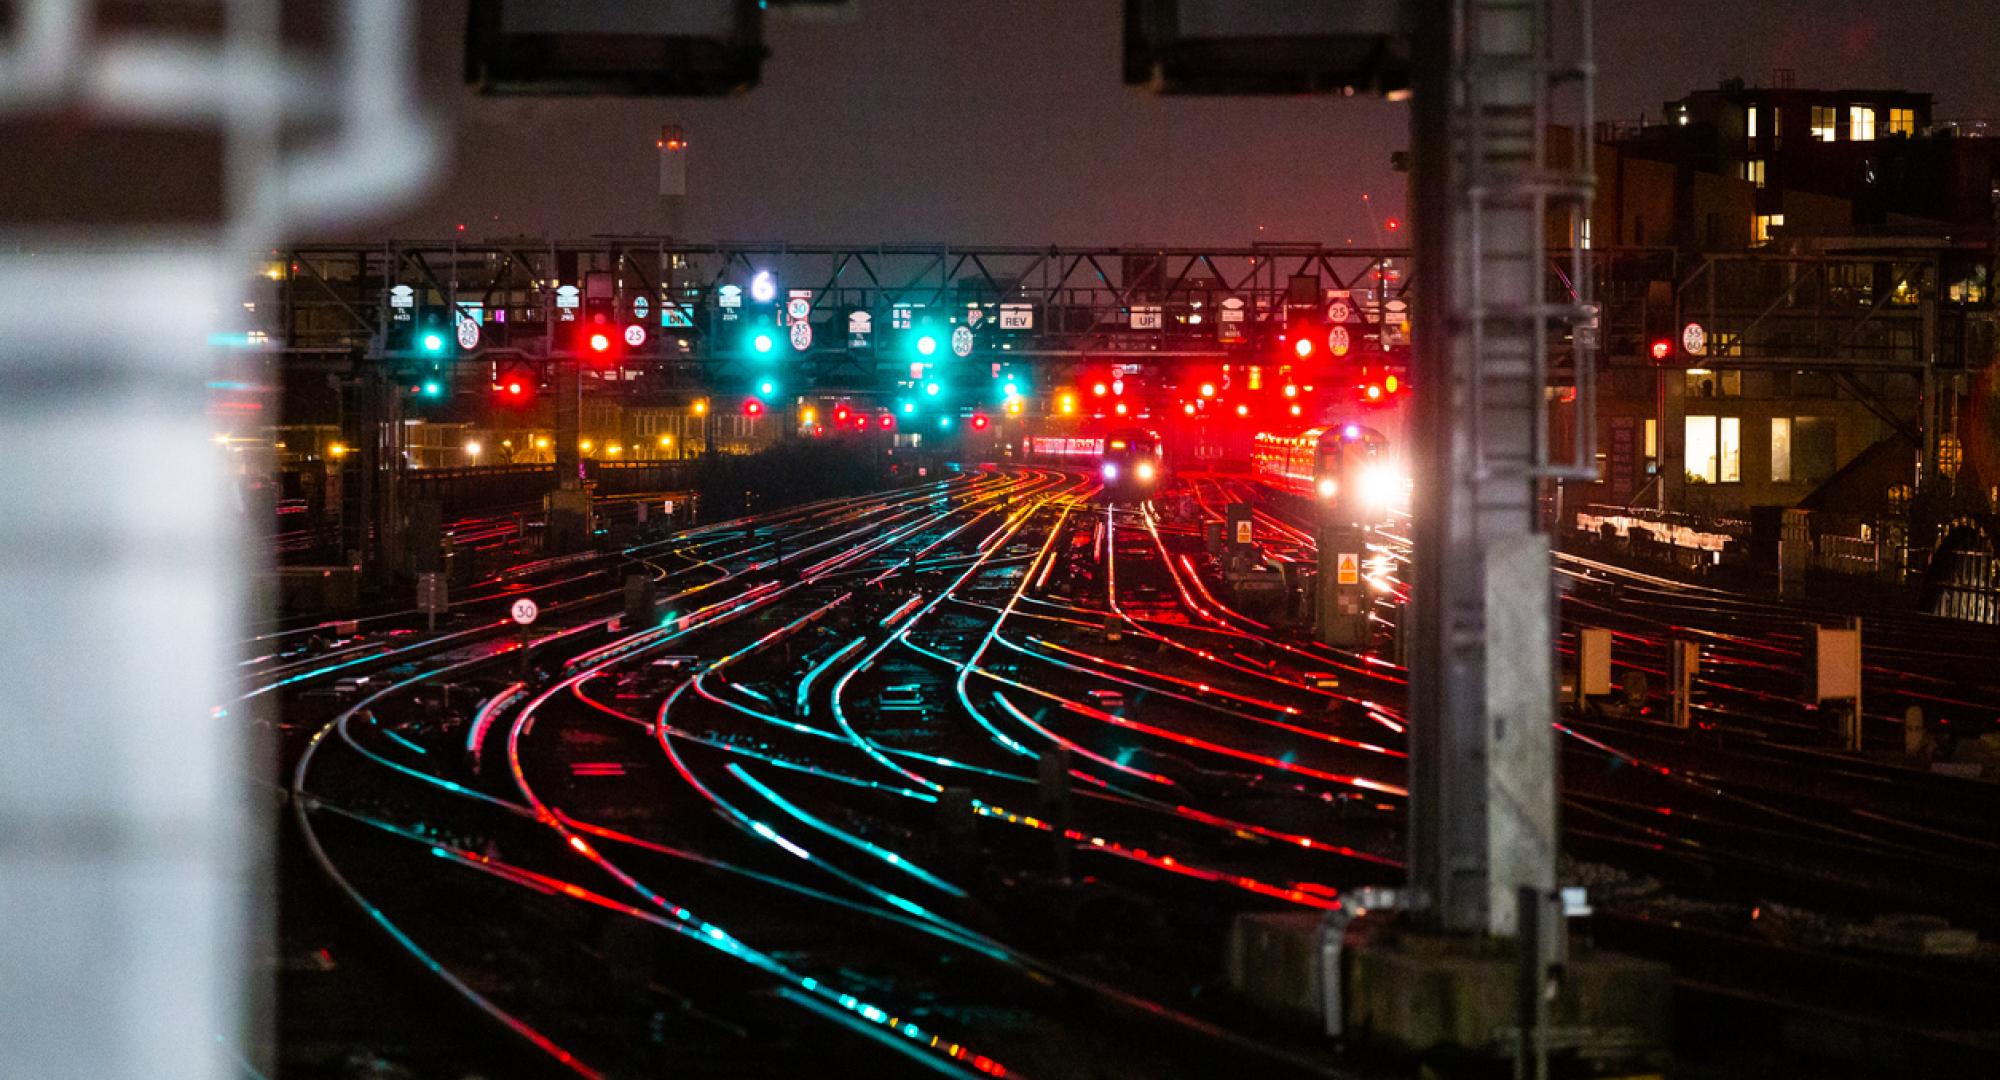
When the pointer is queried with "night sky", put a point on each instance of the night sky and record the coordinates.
(972, 121)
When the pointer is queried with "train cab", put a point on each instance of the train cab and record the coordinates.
(1346, 469)
(1132, 465)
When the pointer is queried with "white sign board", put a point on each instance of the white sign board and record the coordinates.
(524, 611)
(1145, 317)
(802, 336)
(1694, 339)
(402, 296)
(1017, 317)
(798, 308)
(468, 334)
(961, 340)
(729, 296)
(635, 335)
(1338, 341)
(566, 296)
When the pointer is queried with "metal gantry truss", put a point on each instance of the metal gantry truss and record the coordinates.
(1120, 304)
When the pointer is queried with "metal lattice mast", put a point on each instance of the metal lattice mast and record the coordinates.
(1483, 800)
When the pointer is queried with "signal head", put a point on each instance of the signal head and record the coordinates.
(763, 343)
(1662, 348)
(600, 342)
(1303, 347)
(926, 345)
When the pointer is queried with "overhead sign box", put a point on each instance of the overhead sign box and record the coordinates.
(1295, 47)
(689, 48)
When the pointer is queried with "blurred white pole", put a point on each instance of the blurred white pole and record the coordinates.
(130, 862)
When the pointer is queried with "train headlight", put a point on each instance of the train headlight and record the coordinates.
(1327, 487)
(1378, 486)
(1110, 470)
(1145, 471)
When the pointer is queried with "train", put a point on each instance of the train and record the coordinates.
(1130, 462)
(1348, 469)
(1133, 464)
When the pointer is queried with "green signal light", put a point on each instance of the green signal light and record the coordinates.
(433, 342)
(1012, 390)
(909, 407)
(944, 423)
(763, 343)
(433, 388)
(926, 345)
(767, 388)
(932, 389)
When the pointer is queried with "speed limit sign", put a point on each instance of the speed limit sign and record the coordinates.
(1337, 341)
(524, 611)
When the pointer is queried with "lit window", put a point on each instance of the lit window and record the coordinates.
(1699, 454)
(1750, 122)
(1781, 450)
(1586, 234)
(1730, 446)
(1902, 121)
(1652, 438)
(1761, 226)
(1861, 123)
(1777, 127)
(1825, 123)
(1753, 171)
(1708, 383)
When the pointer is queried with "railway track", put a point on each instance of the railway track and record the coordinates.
(972, 778)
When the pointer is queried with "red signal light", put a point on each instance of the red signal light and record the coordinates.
(1374, 393)
(979, 421)
(1100, 389)
(888, 422)
(1303, 347)
(600, 342)
(753, 407)
(1662, 348)
(861, 423)
(1243, 410)
(514, 388)
(1393, 224)
(840, 415)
